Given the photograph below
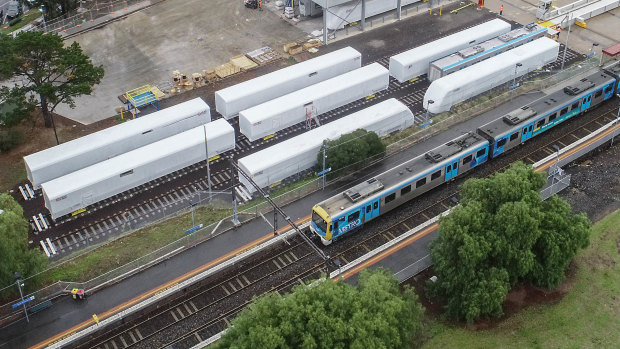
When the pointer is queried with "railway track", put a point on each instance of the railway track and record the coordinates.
(209, 311)
(175, 192)
(188, 320)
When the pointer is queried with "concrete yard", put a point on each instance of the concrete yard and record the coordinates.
(185, 35)
(193, 35)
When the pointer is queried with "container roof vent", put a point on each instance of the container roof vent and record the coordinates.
(518, 116)
(575, 89)
(363, 190)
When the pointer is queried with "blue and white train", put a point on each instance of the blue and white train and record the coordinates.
(351, 209)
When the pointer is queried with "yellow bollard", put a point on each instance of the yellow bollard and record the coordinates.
(431, 9)
(440, 10)
(122, 118)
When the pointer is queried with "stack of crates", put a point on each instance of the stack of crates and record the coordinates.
(289, 12)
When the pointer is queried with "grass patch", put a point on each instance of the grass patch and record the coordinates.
(131, 247)
(587, 316)
(27, 18)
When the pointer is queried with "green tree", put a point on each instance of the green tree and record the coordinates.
(54, 73)
(348, 152)
(14, 253)
(502, 234)
(375, 314)
(54, 8)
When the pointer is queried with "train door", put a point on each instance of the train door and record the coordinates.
(587, 101)
(452, 170)
(371, 210)
(87, 199)
(527, 132)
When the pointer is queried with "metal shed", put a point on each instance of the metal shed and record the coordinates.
(71, 156)
(231, 100)
(483, 76)
(105, 179)
(298, 106)
(298, 154)
(415, 62)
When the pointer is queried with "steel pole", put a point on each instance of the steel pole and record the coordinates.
(21, 295)
(399, 10)
(363, 15)
(208, 166)
(613, 134)
(566, 44)
(325, 10)
(324, 157)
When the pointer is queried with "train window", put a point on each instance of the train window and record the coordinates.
(420, 183)
(354, 216)
(467, 159)
(126, 173)
(390, 197)
(552, 117)
(436, 175)
(540, 123)
(574, 106)
(481, 152)
(514, 136)
(598, 93)
(405, 190)
(608, 89)
(368, 208)
(449, 168)
(564, 111)
(501, 142)
(375, 205)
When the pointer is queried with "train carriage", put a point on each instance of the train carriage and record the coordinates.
(349, 210)
(530, 120)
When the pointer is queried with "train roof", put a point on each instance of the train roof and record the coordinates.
(132, 159)
(117, 133)
(555, 100)
(402, 173)
(482, 76)
(470, 53)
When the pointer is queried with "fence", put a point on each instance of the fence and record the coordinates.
(91, 12)
(260, 207)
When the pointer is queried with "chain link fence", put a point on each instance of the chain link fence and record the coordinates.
(91, 13)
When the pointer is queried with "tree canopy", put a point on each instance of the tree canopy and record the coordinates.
(348, 152)
(44, 67)
(15, 256)
(502, 234)
(375, 314)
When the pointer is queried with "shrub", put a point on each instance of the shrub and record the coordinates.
(9, 139)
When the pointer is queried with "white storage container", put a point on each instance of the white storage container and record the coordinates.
(415, 62)
(231, 100)
(100, 181)
(481, 77)
(298, 154)
(282, 112)
(71, 156)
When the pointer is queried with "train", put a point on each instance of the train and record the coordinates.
(349, 210)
